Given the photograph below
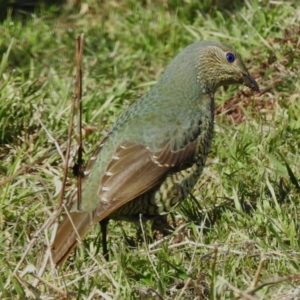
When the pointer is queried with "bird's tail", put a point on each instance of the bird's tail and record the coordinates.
(75, 225)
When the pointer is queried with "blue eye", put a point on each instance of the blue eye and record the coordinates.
(230, 57)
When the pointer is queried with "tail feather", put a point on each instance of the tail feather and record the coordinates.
(77, 223)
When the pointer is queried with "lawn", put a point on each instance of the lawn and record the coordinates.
(237, 236)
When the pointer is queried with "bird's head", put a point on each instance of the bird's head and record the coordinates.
(219, 64)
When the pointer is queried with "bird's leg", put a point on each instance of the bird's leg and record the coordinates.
(103, 225)
(161, 227)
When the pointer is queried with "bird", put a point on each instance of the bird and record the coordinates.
(153, 155)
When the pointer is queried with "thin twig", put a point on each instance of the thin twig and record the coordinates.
(78, 99)
(91, 272)
(52, 286)
(183, 289)
(272, 281)
(29, 292)
(258, 271)
(236, 290)
(70, 129)
(52, 139)
(68, 150)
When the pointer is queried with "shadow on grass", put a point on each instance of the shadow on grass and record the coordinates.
(19, 8)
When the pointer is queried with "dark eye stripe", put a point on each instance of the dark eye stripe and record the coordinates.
(230, 57)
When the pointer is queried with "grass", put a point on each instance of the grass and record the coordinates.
(240, 230)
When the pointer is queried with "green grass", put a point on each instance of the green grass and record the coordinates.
(245, 208)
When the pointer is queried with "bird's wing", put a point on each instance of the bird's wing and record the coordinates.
(134, 170)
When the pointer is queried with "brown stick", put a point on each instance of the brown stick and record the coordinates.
(78, 99)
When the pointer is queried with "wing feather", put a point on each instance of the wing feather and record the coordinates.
(134, 170)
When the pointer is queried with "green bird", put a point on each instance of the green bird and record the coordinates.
(154, 154)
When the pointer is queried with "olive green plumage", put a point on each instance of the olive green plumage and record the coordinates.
(154, 154)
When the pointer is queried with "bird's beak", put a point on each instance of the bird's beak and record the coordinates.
(250, 82)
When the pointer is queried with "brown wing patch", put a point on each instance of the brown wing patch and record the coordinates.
(133, 171)
(180, 159)
(130, 173)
